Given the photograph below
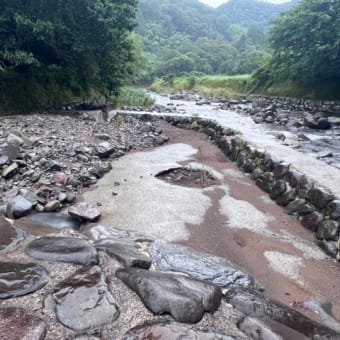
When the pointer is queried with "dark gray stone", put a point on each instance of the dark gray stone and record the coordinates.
(85, 212)
(328, 230)
(334, 209)
(320, 197)
(83, 300)
(18, 207)
(18, 324)
(126, 252)
(171, 330)
(279, 188)
(312, 221)
(300, 206)
(249, 166)
(294, 177)
(105, 150)
(265, 181)
(281, 170)
(202, 266)
(286, 198)
(323, 124)
(253, 304)
(328, 247)
(62, 249)
(17, 279)
(184, 298)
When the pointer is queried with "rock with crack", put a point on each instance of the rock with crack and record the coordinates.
(17, 279)
(171, 330)
(85, 212)
(255, 305)
(177, 258)
(10, 237)
(16, 323)
(62, 249)
(125, 251)
(83, 300)
(186, 299)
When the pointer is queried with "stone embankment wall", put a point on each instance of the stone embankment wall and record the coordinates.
(299, 104)
(316, 207)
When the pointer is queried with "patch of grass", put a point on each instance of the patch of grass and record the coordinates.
(133, 97)
(222, 86)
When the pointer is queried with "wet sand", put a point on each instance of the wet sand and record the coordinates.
(299, 270)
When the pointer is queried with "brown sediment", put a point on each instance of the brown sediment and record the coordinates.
(245, 247)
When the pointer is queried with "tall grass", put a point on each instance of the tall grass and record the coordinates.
(223, 86)
(133, 97)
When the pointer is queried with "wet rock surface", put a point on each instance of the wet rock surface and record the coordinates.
(184, 298)
(54, 220)
(62, 249)
(10, 236)
(16, 323)
(253, 304)
(83, 301)
(125, 251)
(217, 270)
(17, 279)
(173, 331)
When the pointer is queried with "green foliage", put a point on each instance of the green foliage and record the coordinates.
(72, 46)
(182, 36)
(129, 96)
(306, 50)
(216, 85)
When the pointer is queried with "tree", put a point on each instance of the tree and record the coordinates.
(83, 42)
(306, 43)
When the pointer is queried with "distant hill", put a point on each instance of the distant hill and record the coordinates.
(252, 13)
(181, 36)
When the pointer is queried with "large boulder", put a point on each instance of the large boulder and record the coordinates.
(186, 299)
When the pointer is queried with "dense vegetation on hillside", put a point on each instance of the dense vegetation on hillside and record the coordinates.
(305, 44)
(51, 51)
(180, 36)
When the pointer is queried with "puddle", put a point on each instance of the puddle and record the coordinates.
(188, 177)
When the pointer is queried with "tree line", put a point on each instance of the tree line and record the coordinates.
(56, 49)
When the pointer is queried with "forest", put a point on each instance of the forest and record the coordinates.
(54, 52)
(185, 36)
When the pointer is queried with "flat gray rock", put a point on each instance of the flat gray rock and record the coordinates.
(18, 207)
(55, 220)
(126, 252)
(255, 305)
(17, 279)
(85, 212)
(62, 249)
(17, 324)
(184, 298)
(171, 330)
(83, 300)
(177, 258)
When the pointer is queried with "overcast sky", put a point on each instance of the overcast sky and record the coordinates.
(215, 3)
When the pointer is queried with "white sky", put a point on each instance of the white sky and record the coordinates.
(216, 3)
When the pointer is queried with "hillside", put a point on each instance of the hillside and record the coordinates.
(252, 13)
(181, 36)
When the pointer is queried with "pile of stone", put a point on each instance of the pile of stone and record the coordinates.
(46, 160)
(104, 283)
